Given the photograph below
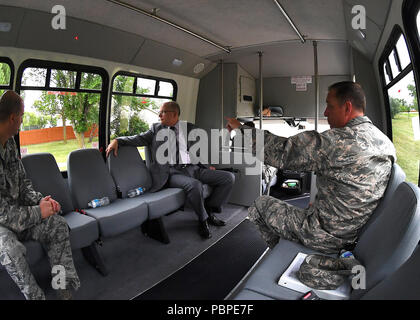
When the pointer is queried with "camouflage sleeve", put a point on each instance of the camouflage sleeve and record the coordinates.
(18, 218)
(27, 195)
(303, 152)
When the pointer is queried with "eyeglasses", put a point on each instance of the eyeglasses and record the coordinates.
(163, 112)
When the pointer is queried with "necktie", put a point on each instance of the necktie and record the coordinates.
(177, 144)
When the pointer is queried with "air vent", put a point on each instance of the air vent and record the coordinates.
(198, 68)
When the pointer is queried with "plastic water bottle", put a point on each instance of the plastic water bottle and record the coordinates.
(98, 202)
(135, 192)
(347, 254)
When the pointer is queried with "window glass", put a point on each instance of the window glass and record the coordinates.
(5, 74)
(63, 79)
(59, 122)
(405, 125)
(166, 89)
(123, 84)
(403, 52)
(146, 86)
(418, 23)
(34, 77)
(91, 81)
(393, 64)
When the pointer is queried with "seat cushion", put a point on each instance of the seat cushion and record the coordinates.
(119, 216)
(128, 170)
(83, 229)
(162, 202)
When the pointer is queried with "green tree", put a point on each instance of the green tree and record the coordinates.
(395, 106)
(126, 109)
(33, 121)
(4, 74)
(81, 109)
(413, 93)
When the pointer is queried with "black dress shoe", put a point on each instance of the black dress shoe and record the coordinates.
(214, 221)
(203, 229)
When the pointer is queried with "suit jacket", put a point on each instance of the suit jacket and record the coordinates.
(159, 172)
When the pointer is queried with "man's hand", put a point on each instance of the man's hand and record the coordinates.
(49, 207)
(232, 124)
(112, 146)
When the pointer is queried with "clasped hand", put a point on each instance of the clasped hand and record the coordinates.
(49, 207)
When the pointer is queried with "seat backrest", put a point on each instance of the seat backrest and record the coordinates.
(43, 171)
(391, 240)
(129, 170)
(397, 176)
(88, 177)
(403, 284)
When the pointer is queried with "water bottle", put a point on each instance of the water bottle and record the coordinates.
(347, 254)
(98, 202)
(136, 192)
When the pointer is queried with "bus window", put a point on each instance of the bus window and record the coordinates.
(135, 103)
(5, 76)
(59, 117)
(403, 107)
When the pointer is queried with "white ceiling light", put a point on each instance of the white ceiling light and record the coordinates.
(5, 26)
(177, 62)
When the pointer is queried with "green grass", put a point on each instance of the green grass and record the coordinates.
(408, 150)
(61, 150)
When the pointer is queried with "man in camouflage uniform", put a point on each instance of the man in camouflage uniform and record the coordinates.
(25, 214)
(352, 161)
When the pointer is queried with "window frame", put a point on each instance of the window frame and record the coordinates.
(410, 10)
(9, 62)
(391, 45)
(79, 69)
(134, 94)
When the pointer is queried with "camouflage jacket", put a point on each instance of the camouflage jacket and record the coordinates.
(352, 165)
(19, 209)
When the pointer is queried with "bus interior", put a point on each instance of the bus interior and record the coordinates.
(91, 71)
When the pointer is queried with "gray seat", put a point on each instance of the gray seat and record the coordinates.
(382, 248)
(83, 229)
(90, 179)
(129, 171)
(397, 176)
(401, 285)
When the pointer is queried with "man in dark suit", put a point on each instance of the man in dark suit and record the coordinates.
(184, 172)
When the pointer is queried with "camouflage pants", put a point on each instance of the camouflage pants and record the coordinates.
(276, 219)
(53, 234)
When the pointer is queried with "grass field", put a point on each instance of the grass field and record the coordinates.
(61, 150)
(408, 150)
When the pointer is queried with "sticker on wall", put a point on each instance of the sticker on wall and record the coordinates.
(301, 82)
(301, 87)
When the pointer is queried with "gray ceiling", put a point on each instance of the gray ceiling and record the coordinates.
(115, 33)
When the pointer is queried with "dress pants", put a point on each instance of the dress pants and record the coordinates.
(191, 179)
